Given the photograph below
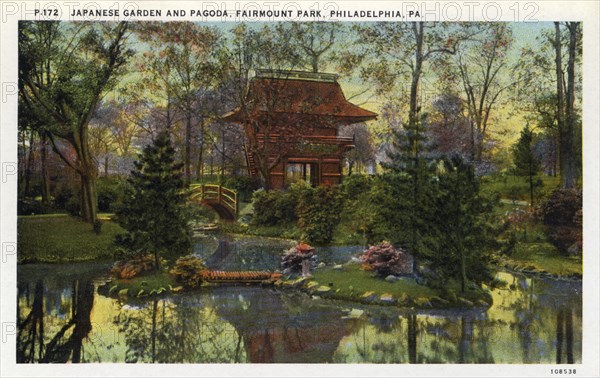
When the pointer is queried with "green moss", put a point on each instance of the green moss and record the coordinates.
(56, 238)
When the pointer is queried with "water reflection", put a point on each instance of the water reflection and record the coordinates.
(62, 318)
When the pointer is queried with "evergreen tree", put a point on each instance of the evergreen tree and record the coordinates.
(527, 164)
(463, 223)
(154, 212)
(411, 180)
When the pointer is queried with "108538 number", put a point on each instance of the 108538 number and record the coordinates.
(557, 371)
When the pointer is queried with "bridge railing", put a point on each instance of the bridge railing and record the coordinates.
(218, 193)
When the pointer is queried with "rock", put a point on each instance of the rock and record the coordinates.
(387, 298)
(177, 289)
(465, 302)
(312, 284)
(354, 260)
(337, 267)
(391, 278)
(323, 289)
(316, 297)
(112, 289)
(321, 265)
(354, 314)
(123, 292)
(368, 296)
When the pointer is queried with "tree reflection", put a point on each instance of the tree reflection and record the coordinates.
(60, 348)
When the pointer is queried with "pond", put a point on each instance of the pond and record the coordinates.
(62, 318)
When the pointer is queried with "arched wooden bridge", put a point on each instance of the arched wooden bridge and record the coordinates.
(217, 197)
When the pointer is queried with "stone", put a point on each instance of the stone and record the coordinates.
(391, 278)
(177, 289)
(323, 289)
(387, 298)
(337, 267)
(354, 260)
(367, 294)
(123, 292)
(355, 313)
(312, 284)
(321, 265)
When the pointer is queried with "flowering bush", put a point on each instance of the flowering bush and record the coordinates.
(384, 259)
(188, 271)
(135, 265)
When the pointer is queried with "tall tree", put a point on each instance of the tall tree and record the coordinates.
(482, 67)
(153, 213)
(64, 71)
(526, 162)
(463, 219)
(186, 58)
(271, 47)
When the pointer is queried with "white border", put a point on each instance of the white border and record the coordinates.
(586, 11)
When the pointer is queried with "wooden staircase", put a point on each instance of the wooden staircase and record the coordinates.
(251, 163)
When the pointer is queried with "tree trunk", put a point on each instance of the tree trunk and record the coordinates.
(45, 175)
(571, 173)
(30, 161)
(188, 149)
(200, 166)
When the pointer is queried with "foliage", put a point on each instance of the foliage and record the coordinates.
(135, 265)
(526, 162)
(318, 213)
(61, 238)
(562, 215)
(243, 185)
(384, 259)
(64, 70)
(188, 270)
(464, 226)
(277, 206)
(154, 212)
(110, 193)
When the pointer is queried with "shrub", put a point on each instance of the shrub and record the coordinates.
(275, 206)
(562, 213)
(31, 207)
(384, 259)
(243, 185)
(319, 212)
(134, 266)
(561, 207)
(109, 194)
(188, 271)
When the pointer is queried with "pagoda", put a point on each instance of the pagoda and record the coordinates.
(292, 120)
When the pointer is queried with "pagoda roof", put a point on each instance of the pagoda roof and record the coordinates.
(309, 95)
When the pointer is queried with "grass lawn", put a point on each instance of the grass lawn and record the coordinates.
(63, 238)
(353, 284)
(544, 257)
(517, 188)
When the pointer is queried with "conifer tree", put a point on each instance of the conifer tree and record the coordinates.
(464, 225)
(527, 164)
(154, 212)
